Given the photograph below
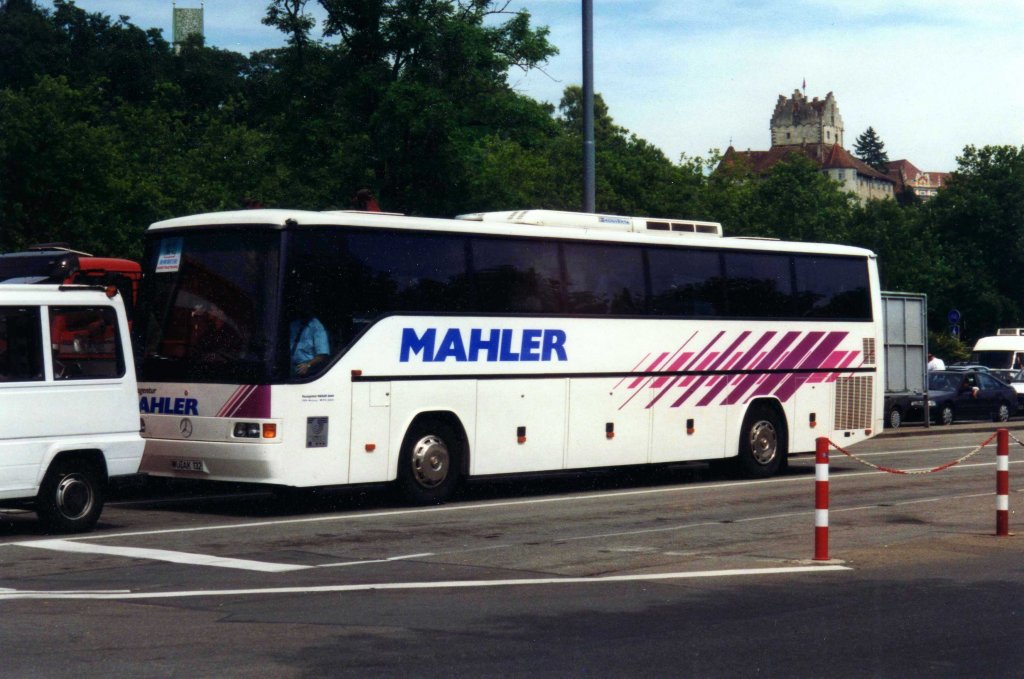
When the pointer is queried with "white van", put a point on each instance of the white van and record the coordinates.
(1002, 353)
(68, 401)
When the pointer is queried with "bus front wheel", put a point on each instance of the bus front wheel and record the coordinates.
(429, 464)
(762, 450)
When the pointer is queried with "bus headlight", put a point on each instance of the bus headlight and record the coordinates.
(247, 430)
(255, 430)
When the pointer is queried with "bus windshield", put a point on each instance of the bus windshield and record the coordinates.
(210, 312)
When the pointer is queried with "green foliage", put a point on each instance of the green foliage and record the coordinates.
(794, 201)
(979, 217)
(106, 129)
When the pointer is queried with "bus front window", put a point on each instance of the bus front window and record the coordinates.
(208, 302)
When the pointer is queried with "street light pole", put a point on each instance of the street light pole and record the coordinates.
(589, 190)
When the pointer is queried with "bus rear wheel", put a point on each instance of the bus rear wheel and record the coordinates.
(429, 463)
(762, 450)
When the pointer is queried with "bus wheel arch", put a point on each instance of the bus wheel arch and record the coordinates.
(71, 495)
(764, 440)
(433, 458)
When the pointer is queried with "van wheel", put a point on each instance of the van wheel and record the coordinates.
(429, 463)
(762, 450)
(70, 498)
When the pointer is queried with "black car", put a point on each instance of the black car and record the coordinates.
(965, 395)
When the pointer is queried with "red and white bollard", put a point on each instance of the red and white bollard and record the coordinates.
(1002, 482)
(821, 499)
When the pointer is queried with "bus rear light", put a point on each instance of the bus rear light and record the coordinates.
(247, 430)
(269, 430)
(370, 447)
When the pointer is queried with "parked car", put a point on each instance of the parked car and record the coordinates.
(1017, 382)
(965, 395)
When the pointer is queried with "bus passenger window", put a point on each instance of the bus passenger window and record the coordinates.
(604, 279)
(686, 282)
(759, 285)
(516, 276)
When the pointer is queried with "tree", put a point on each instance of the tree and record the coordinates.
(633, 176)
(420, 82)
(792, 201)
(978, 221)
(870, 148)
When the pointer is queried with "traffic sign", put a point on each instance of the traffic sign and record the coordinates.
(953, 317)
(954, 330)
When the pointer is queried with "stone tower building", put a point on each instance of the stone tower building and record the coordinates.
(799, 121)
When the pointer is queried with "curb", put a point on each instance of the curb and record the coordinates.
(935, 429)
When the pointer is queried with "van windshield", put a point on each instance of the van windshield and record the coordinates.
(996, 360)
(209, 307)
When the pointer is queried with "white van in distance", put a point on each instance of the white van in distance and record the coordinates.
(68, 401)
(1002, 353)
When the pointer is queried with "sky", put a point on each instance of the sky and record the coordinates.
(930, 76)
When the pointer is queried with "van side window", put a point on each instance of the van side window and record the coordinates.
(85, 343)
(21, 344)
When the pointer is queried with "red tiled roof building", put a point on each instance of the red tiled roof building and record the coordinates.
(924, 185)
(814, 129)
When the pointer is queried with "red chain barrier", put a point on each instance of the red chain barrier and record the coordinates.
(822, 444)
(890, 470)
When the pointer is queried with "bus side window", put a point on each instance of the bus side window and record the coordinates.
(21, 357)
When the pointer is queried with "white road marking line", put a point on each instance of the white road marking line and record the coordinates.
(162, 555)
(364, 562)
(8, 594)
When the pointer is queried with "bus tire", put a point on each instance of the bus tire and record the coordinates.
(70, 498)
(430, 462)
(762, 449)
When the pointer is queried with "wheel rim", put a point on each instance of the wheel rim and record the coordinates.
(1004, 413)
(74, 497)
(764, 442)
(430, 461)
(895, 420)
(947, 415)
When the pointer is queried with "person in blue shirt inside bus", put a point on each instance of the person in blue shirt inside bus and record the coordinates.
(310, 347)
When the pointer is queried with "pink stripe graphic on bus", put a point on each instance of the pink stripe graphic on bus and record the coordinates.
(248, 401)
(672, 382)
(732, 347)
(751, 365)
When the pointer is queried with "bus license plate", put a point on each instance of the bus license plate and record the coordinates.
(188, 465)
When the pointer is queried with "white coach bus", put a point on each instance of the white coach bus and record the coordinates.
(329, 348)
